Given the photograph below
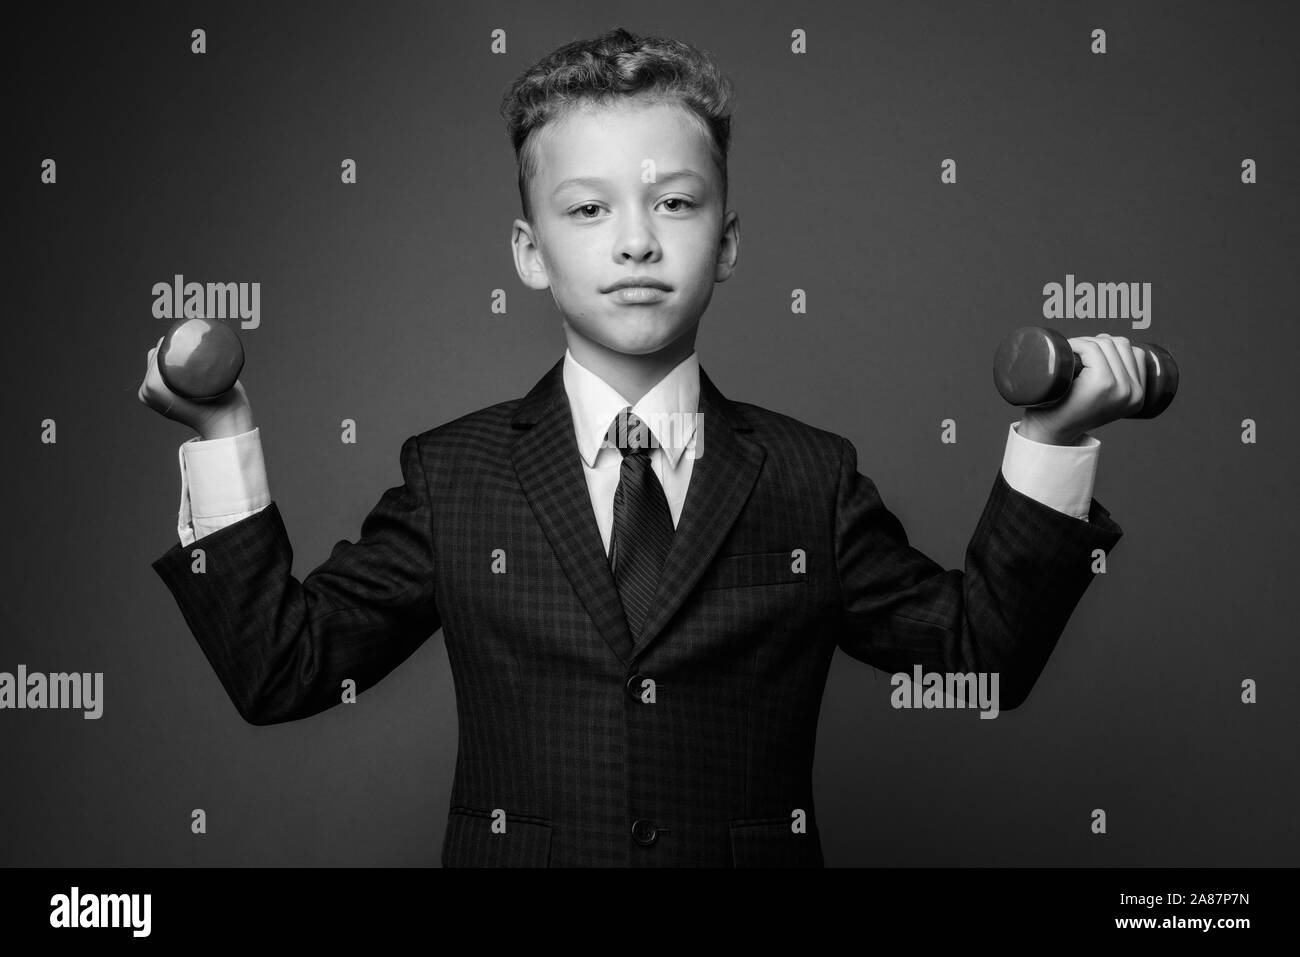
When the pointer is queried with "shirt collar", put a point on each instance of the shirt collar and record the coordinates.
(668, 409)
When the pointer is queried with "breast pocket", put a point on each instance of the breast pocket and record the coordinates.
(788, 567)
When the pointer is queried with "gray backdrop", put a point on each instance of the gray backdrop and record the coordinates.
(1121, 167)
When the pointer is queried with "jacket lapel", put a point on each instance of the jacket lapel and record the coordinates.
(726, 466)
(549, 467)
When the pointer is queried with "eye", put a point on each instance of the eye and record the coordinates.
(574, 212)
(686, 203)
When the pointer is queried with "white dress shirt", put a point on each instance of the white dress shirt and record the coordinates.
(224, 480)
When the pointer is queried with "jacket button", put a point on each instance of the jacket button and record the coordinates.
(634, 687)
(644, 832)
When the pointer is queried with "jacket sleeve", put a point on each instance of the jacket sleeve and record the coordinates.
(1027, 566)
(282, 648)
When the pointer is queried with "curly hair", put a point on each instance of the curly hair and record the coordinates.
(601, 70)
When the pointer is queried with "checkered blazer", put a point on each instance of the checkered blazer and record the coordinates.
(693, 746)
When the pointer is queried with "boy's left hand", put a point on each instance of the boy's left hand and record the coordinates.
(1112, 385)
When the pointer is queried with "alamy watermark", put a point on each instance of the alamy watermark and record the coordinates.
(684, 430)
(179, 299)
(75, 909)
(84, 690)
(934, 689)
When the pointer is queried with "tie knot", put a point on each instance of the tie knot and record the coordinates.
(630, 435)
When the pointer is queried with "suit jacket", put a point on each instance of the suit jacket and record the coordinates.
(693, 746)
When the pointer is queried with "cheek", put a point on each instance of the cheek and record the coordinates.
(703, 253)
(701, 277)
(578, 271)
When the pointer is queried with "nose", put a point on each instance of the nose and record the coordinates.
(637, 241)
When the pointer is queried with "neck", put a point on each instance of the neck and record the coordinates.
(631, 376)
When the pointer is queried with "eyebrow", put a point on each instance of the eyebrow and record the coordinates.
(660, 178)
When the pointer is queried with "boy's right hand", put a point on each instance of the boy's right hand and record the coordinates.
(230, 415)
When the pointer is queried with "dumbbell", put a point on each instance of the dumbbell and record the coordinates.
(200, 359)
(1035, 367)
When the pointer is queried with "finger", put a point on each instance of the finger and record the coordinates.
(1091, 355)
(1107, 347)
(149, 356)
(1125, 387)
(1125, 351)
(1140, 356)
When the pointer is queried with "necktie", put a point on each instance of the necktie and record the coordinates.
(643, 524)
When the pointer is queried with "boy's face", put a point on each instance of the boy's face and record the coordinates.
(587, 236)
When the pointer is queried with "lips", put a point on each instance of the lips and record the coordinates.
(641, 282)
(639, 294)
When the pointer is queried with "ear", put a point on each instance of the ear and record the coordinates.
(528, 256)
(728, 247)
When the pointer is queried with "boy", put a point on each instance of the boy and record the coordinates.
(639, 622)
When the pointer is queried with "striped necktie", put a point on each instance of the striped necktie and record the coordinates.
(643, 524)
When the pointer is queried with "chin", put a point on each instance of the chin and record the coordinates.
(633, 339)
(634, 348)
(641, 345)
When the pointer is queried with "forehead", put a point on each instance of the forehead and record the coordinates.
(614, 139)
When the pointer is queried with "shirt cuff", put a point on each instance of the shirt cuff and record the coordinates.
(1060, 476)
(222, 481)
